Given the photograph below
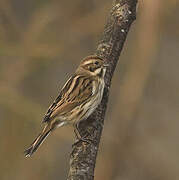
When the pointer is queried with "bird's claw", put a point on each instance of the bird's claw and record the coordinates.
(85, 140)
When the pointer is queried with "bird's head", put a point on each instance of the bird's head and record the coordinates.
(94, 66)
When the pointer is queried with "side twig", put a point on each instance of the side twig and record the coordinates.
(83, 156)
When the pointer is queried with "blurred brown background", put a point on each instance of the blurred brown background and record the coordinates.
(41, 44)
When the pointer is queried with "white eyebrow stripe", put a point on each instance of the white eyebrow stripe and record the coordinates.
(87, 62)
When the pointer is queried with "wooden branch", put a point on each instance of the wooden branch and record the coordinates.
(83, 156)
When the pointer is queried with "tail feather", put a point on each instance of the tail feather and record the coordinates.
(37, 142)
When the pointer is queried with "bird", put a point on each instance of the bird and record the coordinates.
(77, 100)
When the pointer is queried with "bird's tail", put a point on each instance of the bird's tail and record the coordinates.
(38, 141)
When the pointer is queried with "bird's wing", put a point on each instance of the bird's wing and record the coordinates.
(57, 100)
(75, 92)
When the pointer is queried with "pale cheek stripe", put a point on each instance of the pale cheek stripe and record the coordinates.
(87, 62)
(97, 71)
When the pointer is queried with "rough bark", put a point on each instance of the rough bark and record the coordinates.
(83, 155)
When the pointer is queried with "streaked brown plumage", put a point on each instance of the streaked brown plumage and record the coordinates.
(79, 97)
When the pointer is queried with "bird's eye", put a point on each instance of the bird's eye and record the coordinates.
(96, 62)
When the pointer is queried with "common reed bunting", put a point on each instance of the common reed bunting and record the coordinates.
(79, 97)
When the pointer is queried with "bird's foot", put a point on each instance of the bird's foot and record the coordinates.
(83, 139)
